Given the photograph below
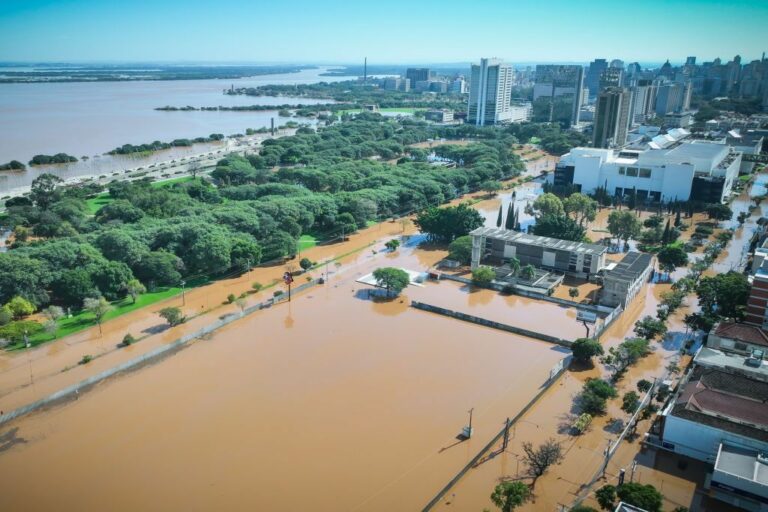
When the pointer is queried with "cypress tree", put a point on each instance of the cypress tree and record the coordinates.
(665, 235)
(517, 220)
(498, 219)
(510, 224)
(678, 220)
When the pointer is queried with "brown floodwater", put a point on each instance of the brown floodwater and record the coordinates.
(332, 402)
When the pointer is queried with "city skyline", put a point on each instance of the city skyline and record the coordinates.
(98, 31)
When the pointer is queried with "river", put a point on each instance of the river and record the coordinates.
(91, 118)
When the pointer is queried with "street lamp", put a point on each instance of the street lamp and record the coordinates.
(183, 296)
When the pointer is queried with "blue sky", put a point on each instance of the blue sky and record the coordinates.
(386, 31)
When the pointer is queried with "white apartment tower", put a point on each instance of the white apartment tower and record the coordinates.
(490, 93)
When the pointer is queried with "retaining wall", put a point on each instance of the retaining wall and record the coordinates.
(492, 324)
(563, 364)
(153, 355)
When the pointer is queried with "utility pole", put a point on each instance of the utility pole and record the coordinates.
(506, 436)
(607, 454)
(183, 296)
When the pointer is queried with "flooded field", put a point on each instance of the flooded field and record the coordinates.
(354, 402)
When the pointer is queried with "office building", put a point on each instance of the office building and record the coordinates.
(643, 104)
(459, 86)
(497, 246)
(557, 94)
(397, 84)
(611, 77)
(669, 169)
(623, 281)
(417, 75)
(611, 117)
(490, 93)
(673, 97)
(595, 71)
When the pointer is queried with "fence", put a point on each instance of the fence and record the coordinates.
(555, 375)
(492, 324)
(151, 356)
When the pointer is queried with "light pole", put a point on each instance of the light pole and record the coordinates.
(183, 296)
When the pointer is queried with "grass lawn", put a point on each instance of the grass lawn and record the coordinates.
(84, 320)
(306, 242)
(97, 202)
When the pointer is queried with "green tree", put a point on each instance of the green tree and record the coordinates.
(73, 287)
(564, 228)
(483, 276)
(670, 257)
(724, 295)
(172, 315)
(128, 339)
(639, 495)
(528, 272)
(650, 328)
(392, 245)
(159, 268)
(392, 279)
(20, 307)
(135, 288)
(581, 207)
(461, 250)
(507, 496)
(305, 264)
(98, 307)
(606, 497)
(5, 315)
(644, 385)
(623, 225)
(573, 292)
(630, 402)
(718, 211)
(548, 205)
(491, 187)
(625, 355)
(447, 224)
(584, 349)
(45, 190)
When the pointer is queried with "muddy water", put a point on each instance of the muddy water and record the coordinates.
(333, 402)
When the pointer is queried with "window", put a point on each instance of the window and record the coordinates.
(632, 171)
(622, 170)
(587, 266)
(740, 346)
(645, 173)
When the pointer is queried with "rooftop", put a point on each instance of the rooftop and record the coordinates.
(539, 241)
(630, 267)
(726, 401)
(733, 363)
(743, 463)
(742, 332)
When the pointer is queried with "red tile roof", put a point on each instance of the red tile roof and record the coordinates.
(742, 332)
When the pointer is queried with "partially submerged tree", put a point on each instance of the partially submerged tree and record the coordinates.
(483, 276)
(134, 288)
(510, 495)
(461, 250)
(394, 280)
(650, 328)
(540, 458)
(584, 349)
(173, 316)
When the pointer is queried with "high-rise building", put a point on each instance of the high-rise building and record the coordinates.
(557, 94)
(611, 77)
(617, 63)
(642, 107)
(417, 75)
(490, 93)
(592, 80)
(612, 117)
(690, 61)
(673, 97)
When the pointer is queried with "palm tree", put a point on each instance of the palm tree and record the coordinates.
(514, 264)
(528, 272)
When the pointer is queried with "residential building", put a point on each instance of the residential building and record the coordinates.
(557, 94)
(738, 338)
(417, 75)
(719, 415)
(623, 281)
(497, 246)
(490, 93)
(611, 117)
(592, 80)
(669, 169)
(757, 304)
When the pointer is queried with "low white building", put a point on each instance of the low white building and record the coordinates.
(667, 170)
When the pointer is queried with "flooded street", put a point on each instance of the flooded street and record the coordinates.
(354, 402)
